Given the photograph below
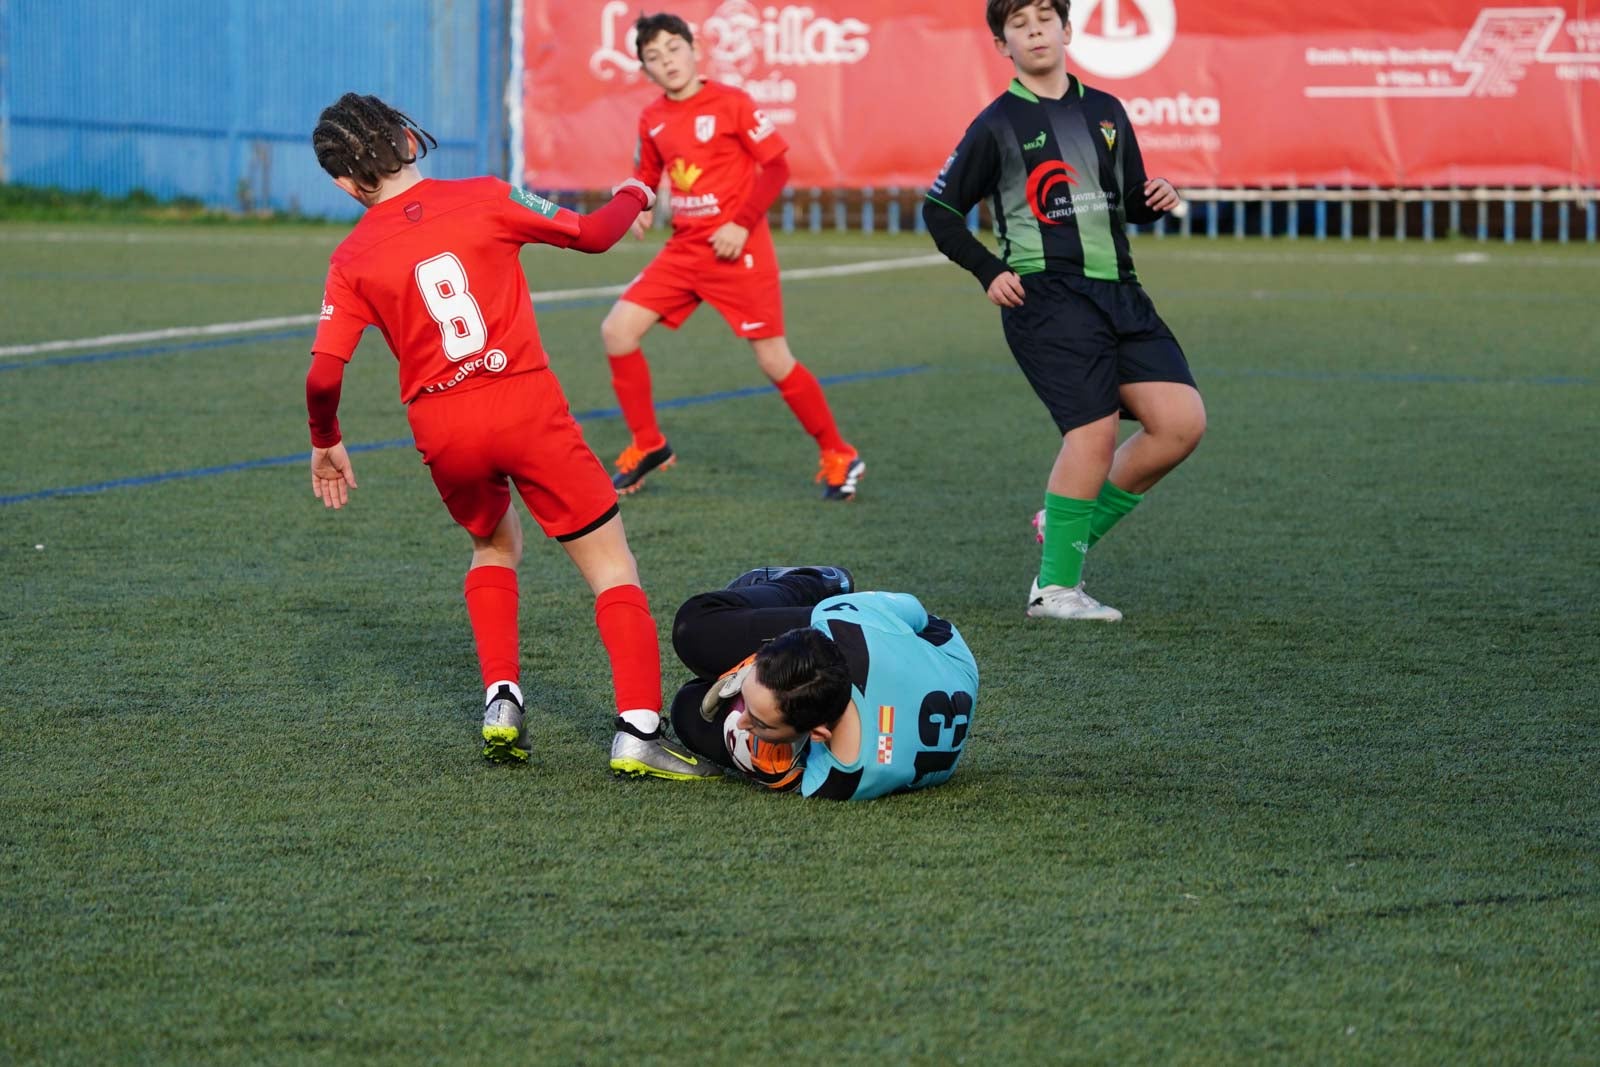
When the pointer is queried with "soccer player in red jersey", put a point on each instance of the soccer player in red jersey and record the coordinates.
(727, 167)
(434, 266)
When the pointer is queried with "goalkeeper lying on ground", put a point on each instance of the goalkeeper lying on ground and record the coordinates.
(803, 684)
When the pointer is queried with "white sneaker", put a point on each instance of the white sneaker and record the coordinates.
(1062, 602)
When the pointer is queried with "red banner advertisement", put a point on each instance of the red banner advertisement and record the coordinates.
(1222, 92)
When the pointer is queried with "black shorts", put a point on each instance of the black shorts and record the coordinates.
(714, 631)
(1078, 340)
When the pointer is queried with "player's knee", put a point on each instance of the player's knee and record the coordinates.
(1092, 445)
(502, 547)
(1177, 427)
(616, 573)
(776, 363)
(618, 335)
(1187, 431)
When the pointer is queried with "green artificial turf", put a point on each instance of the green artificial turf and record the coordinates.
(1327, 796)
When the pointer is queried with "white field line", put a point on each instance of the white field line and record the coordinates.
(220, 329)
(331, 238)
(227, 329)
(121, 237)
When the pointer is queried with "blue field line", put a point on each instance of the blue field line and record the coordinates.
(406, 442)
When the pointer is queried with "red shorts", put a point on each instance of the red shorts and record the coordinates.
(744, 290)
(517, 429)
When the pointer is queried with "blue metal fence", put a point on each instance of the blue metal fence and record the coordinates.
(1511, 213)
(1559, 214)
(216, 100)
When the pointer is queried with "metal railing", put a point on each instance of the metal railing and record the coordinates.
(1508, 214)
(1565, 214)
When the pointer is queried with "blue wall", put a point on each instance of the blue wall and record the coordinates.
(216, 99)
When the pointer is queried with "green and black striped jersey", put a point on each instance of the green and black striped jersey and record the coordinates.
(1065, 177)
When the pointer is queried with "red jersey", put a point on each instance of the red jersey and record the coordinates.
(710, 146)
(436, 270)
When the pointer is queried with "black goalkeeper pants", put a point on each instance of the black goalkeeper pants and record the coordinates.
(715, 631)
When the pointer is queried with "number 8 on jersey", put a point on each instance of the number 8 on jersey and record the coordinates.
(443, 283)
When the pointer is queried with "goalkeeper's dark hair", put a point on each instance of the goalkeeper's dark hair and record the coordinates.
(808, 675)
(1000, 10)
(364, 139)
(649, 27)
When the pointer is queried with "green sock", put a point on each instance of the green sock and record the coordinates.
(1109, 509)
(1066, 523)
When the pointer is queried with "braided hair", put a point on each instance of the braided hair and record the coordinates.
(364, 139)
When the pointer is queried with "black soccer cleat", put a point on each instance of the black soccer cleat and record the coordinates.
(836, 580)
(635, 463)
(839, 472)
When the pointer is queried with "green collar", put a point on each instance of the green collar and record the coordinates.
(1016, 88)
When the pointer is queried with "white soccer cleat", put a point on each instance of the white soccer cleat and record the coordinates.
(505, 738)
(635, 756)
(1068, 602)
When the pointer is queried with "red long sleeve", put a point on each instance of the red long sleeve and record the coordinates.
(599, 230)
(324, 381)
(768, 187)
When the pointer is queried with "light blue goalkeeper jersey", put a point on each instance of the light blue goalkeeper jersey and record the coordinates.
(915, 685)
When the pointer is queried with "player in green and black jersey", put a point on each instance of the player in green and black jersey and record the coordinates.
(1061, 165)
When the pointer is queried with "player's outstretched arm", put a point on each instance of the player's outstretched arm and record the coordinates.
(602, 229)
(638, 188)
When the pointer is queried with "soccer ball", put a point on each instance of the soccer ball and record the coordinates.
(739, 743)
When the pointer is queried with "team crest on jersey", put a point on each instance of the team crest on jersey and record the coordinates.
(683, 175)
(705, 127)
(1108, 130)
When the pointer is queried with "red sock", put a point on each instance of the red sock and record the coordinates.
(630, 379)
(803, 393)
(629, 633)
(492, 606)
